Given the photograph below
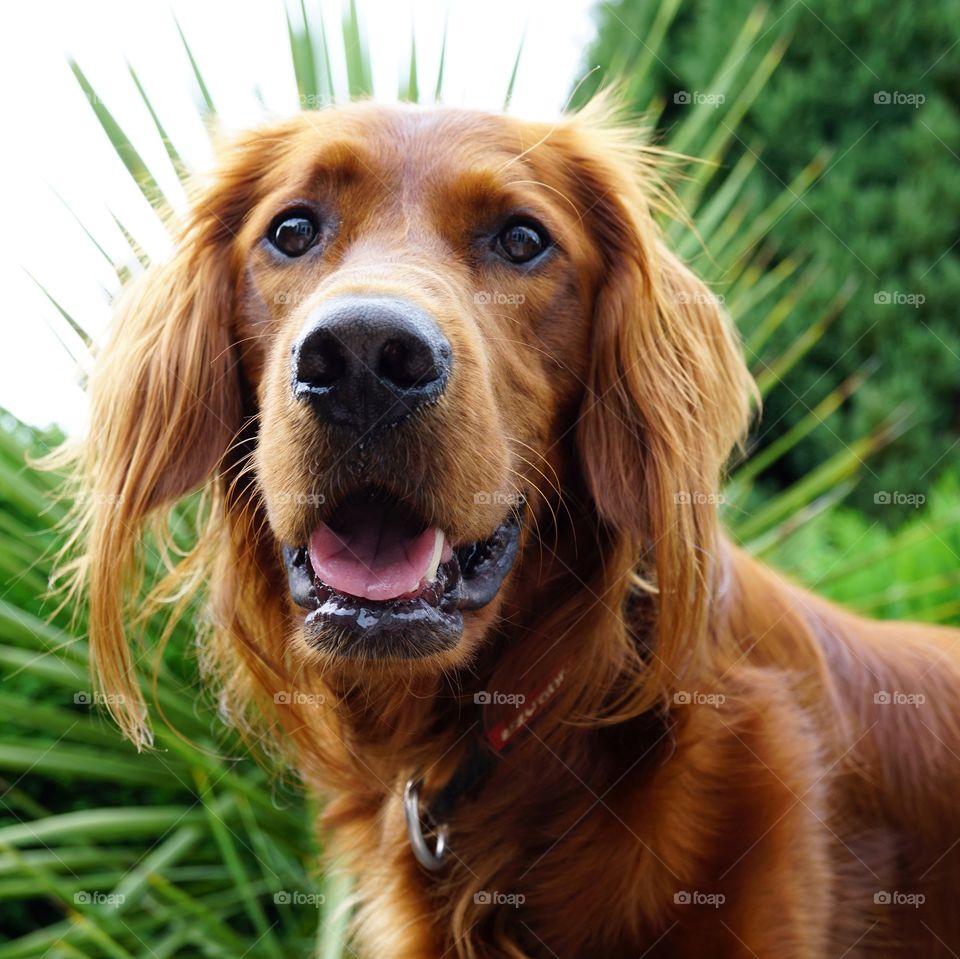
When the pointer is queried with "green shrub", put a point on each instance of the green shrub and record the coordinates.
(883, 212)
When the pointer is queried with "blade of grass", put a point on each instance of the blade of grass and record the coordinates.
(359, 79)
(438, 87)
(839, 468)
(410, 88)
(218, 932)
(304, 67)
(684, 137)
(228, 849)
(135, 247)
(124, 149)
(777, 314)
(123, 273)
(513, 73)
(78, 764)
(896, 546)
(650, 44)
(762, 546)
(176, 161)
(205, 105)
(105, 823)
(770, 454)
(897, 592)
(71, 322)
(775, 371)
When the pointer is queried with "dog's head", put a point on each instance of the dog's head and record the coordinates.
(400, 343)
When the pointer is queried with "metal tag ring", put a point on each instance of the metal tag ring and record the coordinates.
(430, 858)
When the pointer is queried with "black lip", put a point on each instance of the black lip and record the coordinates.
(404, 628)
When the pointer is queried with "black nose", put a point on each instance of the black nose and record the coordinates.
(367, 363)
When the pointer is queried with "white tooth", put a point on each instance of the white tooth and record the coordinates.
(431, 574)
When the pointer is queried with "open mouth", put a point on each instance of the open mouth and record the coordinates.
(378, 581)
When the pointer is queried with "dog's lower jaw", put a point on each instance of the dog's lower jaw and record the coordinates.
(426, 623)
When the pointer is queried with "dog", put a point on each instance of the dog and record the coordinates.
(459, 418)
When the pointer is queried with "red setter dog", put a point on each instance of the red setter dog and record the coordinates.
(460, 416)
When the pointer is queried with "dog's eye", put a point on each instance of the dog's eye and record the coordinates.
(521, 241)
(293, 233)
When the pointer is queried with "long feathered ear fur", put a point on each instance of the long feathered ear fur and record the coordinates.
(165, 405)
(667, 399)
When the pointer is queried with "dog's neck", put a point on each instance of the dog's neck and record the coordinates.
(558, 597)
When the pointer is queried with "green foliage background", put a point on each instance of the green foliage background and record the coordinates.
(884, 212)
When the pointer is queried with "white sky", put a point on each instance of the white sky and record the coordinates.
(53, 141)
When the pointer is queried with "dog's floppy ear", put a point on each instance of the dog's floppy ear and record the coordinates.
(667, 396)
(164, 394)
(165, 405)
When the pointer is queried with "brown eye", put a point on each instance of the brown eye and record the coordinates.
(521, 241)
(293, 233)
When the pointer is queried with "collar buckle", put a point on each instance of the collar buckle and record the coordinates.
(432, 857)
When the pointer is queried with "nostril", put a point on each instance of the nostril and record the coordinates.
(405, 366)
(322, 361)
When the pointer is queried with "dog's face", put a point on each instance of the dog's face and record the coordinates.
(415, 321)
(400, 342)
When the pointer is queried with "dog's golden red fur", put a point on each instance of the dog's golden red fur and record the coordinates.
(714, 776)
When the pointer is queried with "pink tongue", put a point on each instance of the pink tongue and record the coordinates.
(375, 552)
